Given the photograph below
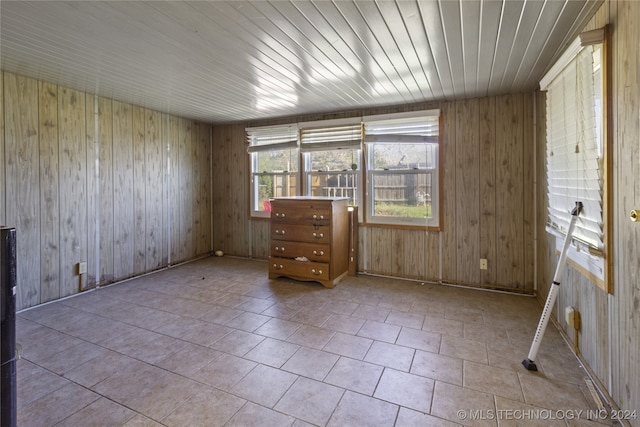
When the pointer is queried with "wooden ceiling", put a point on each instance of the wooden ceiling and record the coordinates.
(226, 61)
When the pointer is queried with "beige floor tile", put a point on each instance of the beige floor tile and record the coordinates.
(464, 349)
(252, 415)
(370, 312)
(247, 321)
(289, 353)
(357, 410)
(551, 394)
(72, 357)
(438, 367)
(310, 401)
(225, 371)
(312, 316)
(237, 342)
(311, 363)
(443, 326)
(195, 331)
(341, 307)
(142, 421)
(402, 318)
(489, 379)
(311, 336)
(422, 340)
(408, 390)
(390, 355)
(514, 413)
(38, 384)
(220, 314)
(56, 405)
(283, 310)
(463, 405)
(361, 377)
(379, 331)
(347, 324)
(348, 345)
(100, 413)
(278, 328)
(272, 352)
(188, 359)
(208, 407)
(410, 418)
(264, 385)
(561, 366)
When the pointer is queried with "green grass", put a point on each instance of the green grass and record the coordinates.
(389, 209)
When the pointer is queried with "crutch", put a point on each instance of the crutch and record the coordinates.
(529, 362)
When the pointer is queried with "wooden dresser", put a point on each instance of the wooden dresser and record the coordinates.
(309, 239)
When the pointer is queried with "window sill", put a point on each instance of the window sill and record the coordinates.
(590, 266)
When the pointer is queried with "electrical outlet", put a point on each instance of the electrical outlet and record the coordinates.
(82, 267)
(483, 264)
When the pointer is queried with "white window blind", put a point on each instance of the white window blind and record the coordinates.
(331, 135)
(574, 147)
(272, 138)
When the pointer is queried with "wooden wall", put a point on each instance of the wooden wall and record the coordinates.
(487, 159)
(89, 179)
(609, 339)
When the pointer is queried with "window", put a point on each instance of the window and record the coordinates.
(274, 165)
(576, 152)
(331, 155)
(402, 169)
(324, 159)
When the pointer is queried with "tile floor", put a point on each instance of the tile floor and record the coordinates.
(215, 343)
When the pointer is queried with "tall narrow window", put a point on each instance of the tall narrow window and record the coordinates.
(402, 168)
(274, 165)
(331, 154)
(576, 152)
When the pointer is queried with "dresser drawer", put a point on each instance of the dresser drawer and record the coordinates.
(304, 212)
(312, 251)
(298, 269)
(300, 233)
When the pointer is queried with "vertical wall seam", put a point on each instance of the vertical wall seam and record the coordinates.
(96, 202)
(167, 181)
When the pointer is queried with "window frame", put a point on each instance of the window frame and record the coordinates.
(265, 139)
(589, 259)
(430, 223)
(362, 173)
(327, 136)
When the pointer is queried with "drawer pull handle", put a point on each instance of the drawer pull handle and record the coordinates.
(316, 272)
(277, 267)
(318, 252)
(280, 215)
(318, 217)
(280, 232)
(318, 235)
(279, 249)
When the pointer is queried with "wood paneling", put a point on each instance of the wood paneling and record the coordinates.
(467, 191)
(230, 193)
(509, 191)
(626, 94)
(609, 340)
(87, 187)
(73, 187)
(487, 188)
(139, 191)
(154, 178)
(123, 195)
(448, 140)
(484, 143)
(22, 180)
(49, 192)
